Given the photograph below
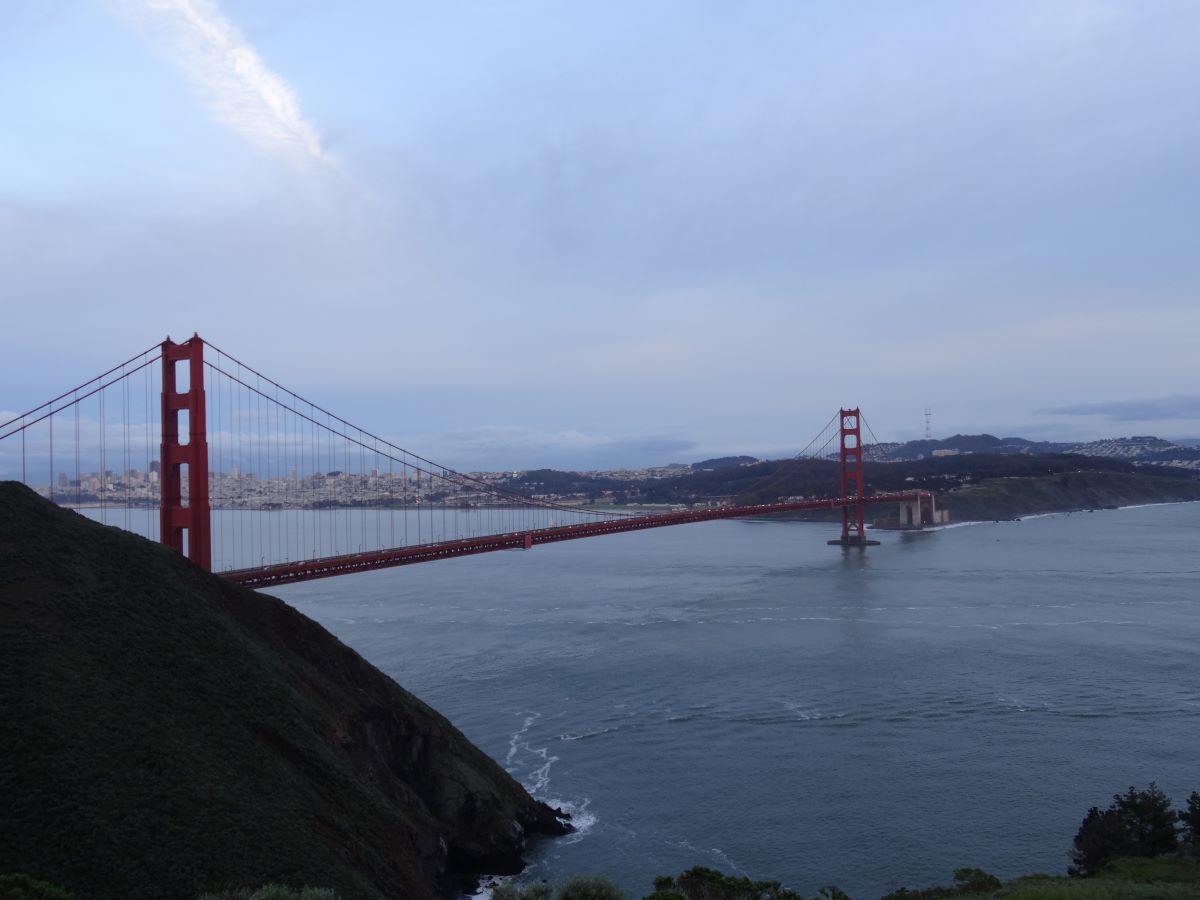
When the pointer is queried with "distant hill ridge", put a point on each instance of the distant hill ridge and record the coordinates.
(723, 462)
(1138, 449)
(167, 733)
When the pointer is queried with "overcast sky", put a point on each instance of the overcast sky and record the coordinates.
(581, 234)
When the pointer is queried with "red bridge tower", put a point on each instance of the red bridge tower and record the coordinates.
(185, 525)
(850, 455)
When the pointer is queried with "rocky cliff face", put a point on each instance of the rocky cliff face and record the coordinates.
(167, 733)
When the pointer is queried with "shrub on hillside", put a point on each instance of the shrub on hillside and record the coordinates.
(273, 892)
(588, 887)
(577, 887)
(1190, 819)
(701, 883)
(1148, 820)
(966, 881)
(1137, 823)
(1100, 839)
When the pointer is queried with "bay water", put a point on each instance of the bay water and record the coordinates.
(740, 695)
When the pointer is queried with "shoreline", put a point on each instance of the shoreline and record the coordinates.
(1039, 515)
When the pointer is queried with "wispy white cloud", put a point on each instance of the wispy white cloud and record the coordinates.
(240, 88)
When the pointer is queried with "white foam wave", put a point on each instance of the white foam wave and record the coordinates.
(950, 525)
(582, 818)
(723, 857)
(484, 891)
(514, 739)
(809, 713)
(531, 766)
(1018, 705)
(1045, 515)
(541, 775)
(1164, 503)
(586, 734)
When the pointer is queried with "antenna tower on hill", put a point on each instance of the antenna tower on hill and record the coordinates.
(928, 425)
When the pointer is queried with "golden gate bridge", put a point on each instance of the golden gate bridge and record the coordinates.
(200, 439)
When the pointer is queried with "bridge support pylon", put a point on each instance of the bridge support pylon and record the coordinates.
(854, 532)
(185, 524)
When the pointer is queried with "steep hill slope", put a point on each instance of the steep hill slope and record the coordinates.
(1003, 498)
(165, 732)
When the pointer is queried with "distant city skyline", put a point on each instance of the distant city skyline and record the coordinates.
(617, 235)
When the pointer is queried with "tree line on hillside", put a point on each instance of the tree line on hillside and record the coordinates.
(1136, 824)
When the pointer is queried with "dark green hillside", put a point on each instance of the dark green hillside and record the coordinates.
(165, 733)
(1004, 498)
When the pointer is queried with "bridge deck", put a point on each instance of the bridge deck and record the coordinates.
(286, 573)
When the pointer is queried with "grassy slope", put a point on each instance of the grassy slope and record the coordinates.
(165, 732)
(1146, 879)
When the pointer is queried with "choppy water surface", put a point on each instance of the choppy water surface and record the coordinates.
(740, 695)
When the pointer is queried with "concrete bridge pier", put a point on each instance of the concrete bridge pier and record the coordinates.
(921, 512)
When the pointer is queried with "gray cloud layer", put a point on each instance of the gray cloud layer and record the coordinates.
(1152, 409)
(623, 220)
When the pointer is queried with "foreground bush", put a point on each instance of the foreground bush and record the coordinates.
(577, 887)
(966, 882)
(22, 887)
(1190, 819)
(1137, 823)
(700, 883)
(273, 892)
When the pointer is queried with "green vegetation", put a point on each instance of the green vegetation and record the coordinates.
(1162, 878)
(1136, 824)
(701, 883)
(166, 733)
(1006, 498)
(1189, 818)
(22, 887)
(577, 887)
(724, 462)
(1142, 886)
(967, 883)
(274, 892)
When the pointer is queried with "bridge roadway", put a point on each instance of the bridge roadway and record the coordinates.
(326, 567)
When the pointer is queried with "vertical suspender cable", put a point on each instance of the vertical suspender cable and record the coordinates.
(237, 484)
(78, 474)
(261, 477)
(359, 484)
(146, 397)
(274, 492)
(51, 455)
(213, 422)
(125, 446)
(103, 461)
(349, 546)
